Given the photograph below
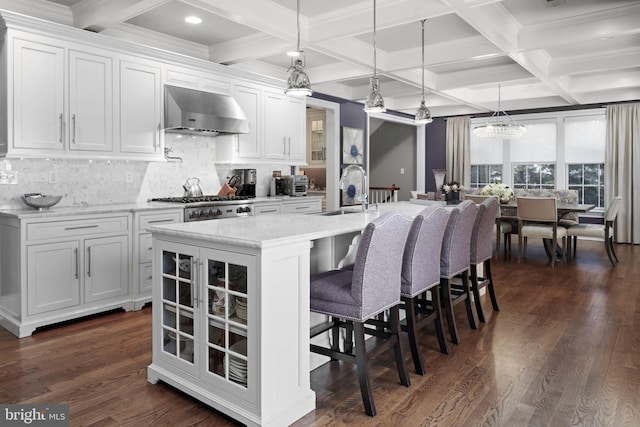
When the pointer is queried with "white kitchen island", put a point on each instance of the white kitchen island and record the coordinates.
(231, 308)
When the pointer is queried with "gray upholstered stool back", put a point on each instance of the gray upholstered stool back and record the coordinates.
(421, 262)
(378, 266)
(456, 242)
(482, 235)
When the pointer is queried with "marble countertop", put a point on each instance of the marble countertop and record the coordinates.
(56, 211)
(263, 231)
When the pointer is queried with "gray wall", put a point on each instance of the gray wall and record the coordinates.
(393, 147)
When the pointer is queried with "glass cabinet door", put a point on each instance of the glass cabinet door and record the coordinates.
(226, 300)
(179, 301)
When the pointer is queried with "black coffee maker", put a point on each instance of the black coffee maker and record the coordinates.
(247, 185)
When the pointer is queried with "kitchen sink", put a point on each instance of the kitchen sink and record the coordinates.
(338, 212)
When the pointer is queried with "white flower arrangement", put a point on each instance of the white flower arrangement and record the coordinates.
(497, 189)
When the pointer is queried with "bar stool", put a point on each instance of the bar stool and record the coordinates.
(454, 261)
(421, 273)
(481, 250)
(351, 296)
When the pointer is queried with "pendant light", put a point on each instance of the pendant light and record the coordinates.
(298, 83)
(499, 128)
(374, 103)
(423, 115)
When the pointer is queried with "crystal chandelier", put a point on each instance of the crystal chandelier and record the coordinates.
(374, 103)
(298, 83)
(499, 126)
(423, 115)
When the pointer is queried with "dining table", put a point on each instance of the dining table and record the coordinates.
(509, 212)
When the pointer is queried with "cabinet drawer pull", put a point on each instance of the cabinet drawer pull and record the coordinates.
(155, 221)
(61, 128)
(195, 285)
(80, 227)
(156, 143)
(302, 207)
(269, 210)
(289, 153)
(75, 251)
(73, 128)
(89, 261)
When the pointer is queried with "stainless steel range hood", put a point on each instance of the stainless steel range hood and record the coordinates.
(202, 113)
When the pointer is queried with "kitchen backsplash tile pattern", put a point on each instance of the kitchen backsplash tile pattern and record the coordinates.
(100, 182)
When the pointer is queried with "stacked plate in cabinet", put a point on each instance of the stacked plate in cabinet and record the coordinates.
(241, 308)
(237, 366)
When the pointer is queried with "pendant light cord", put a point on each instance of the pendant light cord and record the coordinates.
(374, 38)
(423, 21)
(298, 22)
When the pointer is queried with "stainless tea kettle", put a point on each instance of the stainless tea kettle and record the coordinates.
(192, 188)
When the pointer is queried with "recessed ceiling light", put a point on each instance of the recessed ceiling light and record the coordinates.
(193, 20)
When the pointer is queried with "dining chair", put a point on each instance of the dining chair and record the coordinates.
(598, 231)
(454, 262)
(538, 217)
(351, 296)
(502, 228)
(421, 273)
(481, 253)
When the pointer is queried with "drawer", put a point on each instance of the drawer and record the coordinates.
(145, 250)
(260, 209)
(306, 207)
(77, 227)
(157, 218)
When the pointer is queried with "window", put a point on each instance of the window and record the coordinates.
(588, 179)
(482, 175)
(560, 150)
(584, 152)
(534, 175)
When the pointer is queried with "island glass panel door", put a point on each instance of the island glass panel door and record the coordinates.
(179, 304)
(229, 337)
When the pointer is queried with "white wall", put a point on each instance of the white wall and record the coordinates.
(98, 182)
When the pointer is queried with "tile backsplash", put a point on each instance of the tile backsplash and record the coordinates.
(99, 182)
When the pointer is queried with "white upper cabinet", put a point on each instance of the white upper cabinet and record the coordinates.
(284, 128)
(38, 108)
(62, 100)
(90, 102)
(277, 125)
(249, 145)
(140, 111)
(74, 94)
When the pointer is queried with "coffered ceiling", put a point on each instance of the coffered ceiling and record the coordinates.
(544, 53)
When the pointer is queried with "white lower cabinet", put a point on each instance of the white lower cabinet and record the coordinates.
(60, 274)
(56, 270)
(53, 277)
(142, 273)
(203, 324)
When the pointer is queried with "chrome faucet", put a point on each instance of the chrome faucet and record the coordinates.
(365, 187)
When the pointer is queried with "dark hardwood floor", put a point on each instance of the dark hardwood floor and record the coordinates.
(563, 351)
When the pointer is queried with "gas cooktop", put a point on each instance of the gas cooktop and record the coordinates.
(200, 199)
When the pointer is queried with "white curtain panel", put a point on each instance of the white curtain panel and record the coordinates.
(622, 168)
(459, 150)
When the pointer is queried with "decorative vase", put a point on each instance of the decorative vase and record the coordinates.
(439, 175)
(452, 198)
